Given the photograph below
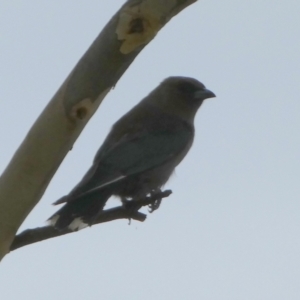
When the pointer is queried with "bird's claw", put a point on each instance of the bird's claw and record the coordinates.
(154, 206)
(156, 203)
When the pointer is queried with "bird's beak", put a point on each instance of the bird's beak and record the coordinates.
(204, 94)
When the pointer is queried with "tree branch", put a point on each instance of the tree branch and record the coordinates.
(129, 210)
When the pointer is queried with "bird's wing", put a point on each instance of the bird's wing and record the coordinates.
(133, 155)
(146, 152)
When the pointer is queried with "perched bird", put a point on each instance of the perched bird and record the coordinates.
(139, 154)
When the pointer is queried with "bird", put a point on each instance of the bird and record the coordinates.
(139, 154)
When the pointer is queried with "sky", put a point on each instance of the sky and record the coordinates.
(231, 229)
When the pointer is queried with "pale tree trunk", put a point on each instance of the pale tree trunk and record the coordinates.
(53, 134)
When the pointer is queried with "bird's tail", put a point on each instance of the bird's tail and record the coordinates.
(80, 212)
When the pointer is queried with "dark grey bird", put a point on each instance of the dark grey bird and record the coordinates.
(139, 154)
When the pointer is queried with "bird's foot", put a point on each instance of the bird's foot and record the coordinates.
(155, 204)
(152, 200)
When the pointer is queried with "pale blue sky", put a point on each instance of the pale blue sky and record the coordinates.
(231, 229)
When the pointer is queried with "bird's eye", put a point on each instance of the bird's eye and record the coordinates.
(187, 87)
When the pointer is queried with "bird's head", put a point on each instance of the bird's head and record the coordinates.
(181, 96)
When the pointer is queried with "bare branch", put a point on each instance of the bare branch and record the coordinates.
(129, 210)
